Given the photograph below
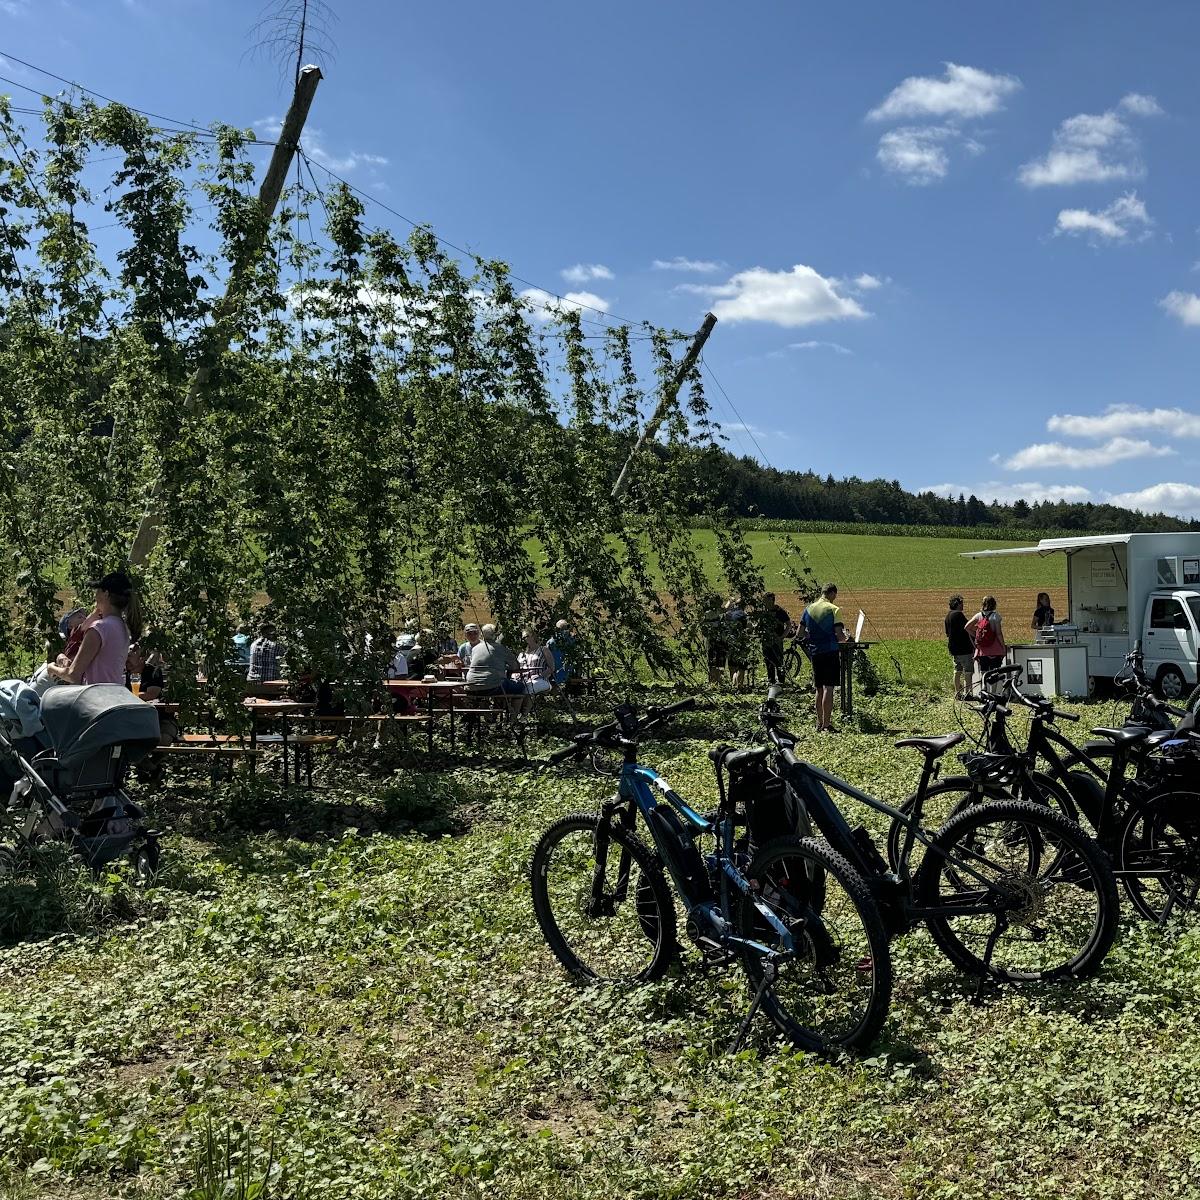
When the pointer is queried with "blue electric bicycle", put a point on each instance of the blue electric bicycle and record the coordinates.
(789, 909)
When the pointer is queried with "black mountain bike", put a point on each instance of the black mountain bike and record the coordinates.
(1008, 889)
(790, 911)
(1149, 826)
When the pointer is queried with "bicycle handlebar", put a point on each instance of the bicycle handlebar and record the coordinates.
(613, 736)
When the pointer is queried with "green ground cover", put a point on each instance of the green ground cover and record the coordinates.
(355, 978)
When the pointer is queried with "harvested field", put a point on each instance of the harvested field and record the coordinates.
(918, 612)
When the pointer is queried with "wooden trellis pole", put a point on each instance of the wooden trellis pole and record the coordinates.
(668, 398)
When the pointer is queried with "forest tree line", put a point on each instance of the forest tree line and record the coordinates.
(750, 489)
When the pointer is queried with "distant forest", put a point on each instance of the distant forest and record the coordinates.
(752, 490)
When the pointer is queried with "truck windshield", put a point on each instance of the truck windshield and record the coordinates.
(1194, 605)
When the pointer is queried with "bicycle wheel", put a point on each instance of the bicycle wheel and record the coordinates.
(1158, 853)
(608, 918)
(1036, 897)
(835, 992)
(941, 804)
(793, 664)
(942, 801)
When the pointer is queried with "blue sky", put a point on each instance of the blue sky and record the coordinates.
(950, 244)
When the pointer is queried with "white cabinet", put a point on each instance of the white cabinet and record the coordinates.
(1053, 670)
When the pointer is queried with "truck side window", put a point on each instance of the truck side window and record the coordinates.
(1167, 614)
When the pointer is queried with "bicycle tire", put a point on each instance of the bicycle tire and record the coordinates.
(1074, 861)
(825, 930)
(1156, 834)
(959, 784)
(793, 665)
(652, 935)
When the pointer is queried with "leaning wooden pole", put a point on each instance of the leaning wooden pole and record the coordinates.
(668, 399)
(220, 334)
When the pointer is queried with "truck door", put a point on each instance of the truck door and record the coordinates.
(1170, 645)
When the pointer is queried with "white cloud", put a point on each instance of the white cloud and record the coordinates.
(1092, 148)
(792, 298)
(586, 272)
(1178, 499)
(1006, 493)
(1112, 223)
(1119, 419)
(14, 8)
(1140, 105)
(962, 92)
(1079, 458)
(867, 283)
(917, 152)
(1183, 305)
(695, 266)
(836, 347)
(543, 305)
(313, 142)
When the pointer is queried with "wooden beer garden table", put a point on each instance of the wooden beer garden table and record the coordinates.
(269, 709)
(448, 688)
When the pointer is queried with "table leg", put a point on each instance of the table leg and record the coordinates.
(287, 778)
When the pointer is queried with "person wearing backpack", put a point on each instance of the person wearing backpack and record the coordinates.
(987, 630)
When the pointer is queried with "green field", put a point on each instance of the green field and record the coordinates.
(354, 979)
(870, 561)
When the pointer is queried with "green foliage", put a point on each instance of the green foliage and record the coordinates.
(316, 412)
(319, 1011)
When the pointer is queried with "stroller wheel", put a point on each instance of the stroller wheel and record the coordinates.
(145, 860)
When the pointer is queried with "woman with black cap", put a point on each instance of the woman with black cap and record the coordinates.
(116, 621)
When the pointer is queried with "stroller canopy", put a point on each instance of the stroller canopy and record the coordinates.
(82, 720)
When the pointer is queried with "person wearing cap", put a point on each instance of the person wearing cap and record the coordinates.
(114, 624)
(464, 650)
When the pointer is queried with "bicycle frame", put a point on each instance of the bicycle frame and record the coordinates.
(637, 794)
(810, 783)
(1045, 741)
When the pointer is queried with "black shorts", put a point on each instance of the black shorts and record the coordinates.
(827, 668)
(989, 662)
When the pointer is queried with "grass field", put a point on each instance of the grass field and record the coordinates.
(871, 561)
(355, 978)
(867, 561)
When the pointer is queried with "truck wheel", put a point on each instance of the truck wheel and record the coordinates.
(1170, 683)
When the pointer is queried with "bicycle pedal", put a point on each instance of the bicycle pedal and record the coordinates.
(714, 957)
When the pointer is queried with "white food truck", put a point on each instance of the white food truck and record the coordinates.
(1121, 588)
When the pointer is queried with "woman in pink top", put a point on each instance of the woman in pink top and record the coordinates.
(110, 629)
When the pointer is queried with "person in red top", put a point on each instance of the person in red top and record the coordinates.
(987, 629)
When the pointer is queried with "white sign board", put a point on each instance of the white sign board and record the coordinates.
(1104, 574)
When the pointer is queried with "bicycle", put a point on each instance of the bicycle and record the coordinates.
(1007, 889)
(791, 911)
(1145, 825)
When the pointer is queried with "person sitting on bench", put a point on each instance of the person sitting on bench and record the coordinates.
(491, 666)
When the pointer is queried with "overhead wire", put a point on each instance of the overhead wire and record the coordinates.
(603, 318)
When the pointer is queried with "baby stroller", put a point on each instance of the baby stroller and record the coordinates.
(63, 765)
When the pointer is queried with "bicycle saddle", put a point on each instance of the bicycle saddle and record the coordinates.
(935, 747)
(1125, 736)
